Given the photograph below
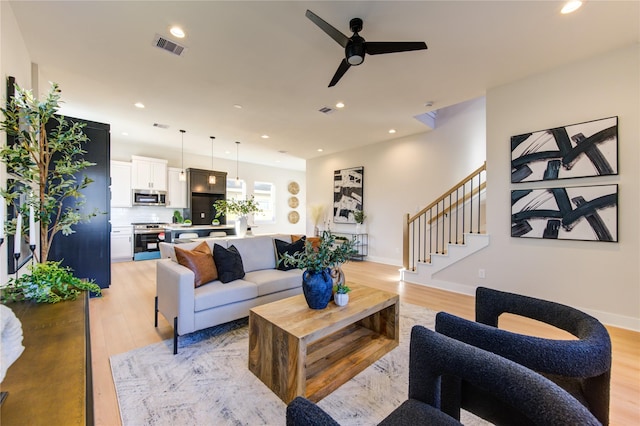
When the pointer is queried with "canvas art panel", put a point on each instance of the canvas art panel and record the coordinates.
(578, 150)
(587, 213)
(347, 194)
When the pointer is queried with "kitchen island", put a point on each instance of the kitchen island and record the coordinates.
(173, 231)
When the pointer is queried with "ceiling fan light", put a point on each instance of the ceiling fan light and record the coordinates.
(355, 60)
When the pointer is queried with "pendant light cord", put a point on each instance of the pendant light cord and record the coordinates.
(237, 160)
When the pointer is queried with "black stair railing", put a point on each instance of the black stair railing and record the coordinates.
(445, 221)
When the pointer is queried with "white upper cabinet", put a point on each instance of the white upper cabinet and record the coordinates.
(120, 184)
(148, 173)
(177, 192)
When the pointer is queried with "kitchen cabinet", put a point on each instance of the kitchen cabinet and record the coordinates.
(198, 181)
(120, 184)
(177, 192)
(121, 243)
(148, 173)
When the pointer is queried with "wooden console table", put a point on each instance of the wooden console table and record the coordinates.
(296, 350)
(50, 384)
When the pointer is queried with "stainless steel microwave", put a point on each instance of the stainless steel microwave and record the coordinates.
(149, 198)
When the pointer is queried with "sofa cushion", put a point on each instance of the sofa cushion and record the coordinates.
(283, 247)
(200, 261)
(273, 280)
(257, 253)
(229, 263)
(315, 241)
(218, 294)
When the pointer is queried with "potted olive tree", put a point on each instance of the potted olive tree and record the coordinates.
(317, 282)
(45, 160)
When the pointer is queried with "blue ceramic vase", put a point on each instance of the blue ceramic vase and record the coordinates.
(317, 288)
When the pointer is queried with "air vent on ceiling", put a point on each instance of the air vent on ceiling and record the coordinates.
(161, 126)
(168, 45)
(326, 110)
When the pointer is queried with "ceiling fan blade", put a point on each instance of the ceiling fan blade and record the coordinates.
(380, 47)
(344, 66)
(328, 28)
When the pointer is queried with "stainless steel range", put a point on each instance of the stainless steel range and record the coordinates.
(146, 240)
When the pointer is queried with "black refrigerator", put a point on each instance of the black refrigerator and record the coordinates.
(88, 250)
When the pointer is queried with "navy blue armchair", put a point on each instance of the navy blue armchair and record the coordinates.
(434, 356)
(582, 367)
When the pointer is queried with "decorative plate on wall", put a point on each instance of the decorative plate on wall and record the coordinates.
(293, 202)
(294, 188)
(294, 217)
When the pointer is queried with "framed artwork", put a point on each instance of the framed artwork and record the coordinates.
(578, 150)
(347, 194)
(586, 213)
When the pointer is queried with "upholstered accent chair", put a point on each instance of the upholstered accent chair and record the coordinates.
(433, 356)
(582, 366)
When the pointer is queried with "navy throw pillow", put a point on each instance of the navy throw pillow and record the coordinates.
(228, 262)
(283, 247)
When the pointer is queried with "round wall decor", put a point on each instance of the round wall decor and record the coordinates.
(294, 217)
(293, 202)
(294, 188)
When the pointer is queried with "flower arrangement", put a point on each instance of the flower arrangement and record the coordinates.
(237, 207)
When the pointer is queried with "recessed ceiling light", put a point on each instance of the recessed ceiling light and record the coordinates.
(177, 31)
(392, 131)
(265, 136)
(340, 105)
(238, 106)
(320, 149)
(139, 105)
(571, 6)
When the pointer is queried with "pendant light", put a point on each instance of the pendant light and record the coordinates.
(237, 160)
(183, 176)
(212, 177)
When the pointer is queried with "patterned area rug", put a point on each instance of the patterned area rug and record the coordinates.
(208, 382)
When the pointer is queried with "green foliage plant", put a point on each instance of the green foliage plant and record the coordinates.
(46, 282)
(341, 289)
(329, 254)
(237, 207)
(46, 162)
(359, 216)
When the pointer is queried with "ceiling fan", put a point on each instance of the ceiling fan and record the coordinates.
(355, 47)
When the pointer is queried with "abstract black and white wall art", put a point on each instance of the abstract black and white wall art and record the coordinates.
(577, 150)
(587, 213)
(347, 194)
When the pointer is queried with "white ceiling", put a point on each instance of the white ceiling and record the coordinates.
(269, 58)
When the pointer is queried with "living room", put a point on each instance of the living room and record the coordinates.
(406, 173)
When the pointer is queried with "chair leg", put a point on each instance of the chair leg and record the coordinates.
(175, 335)
(156, 313)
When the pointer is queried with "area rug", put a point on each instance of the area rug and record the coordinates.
(208, 382)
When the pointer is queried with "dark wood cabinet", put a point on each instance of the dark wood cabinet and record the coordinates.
(202, 195)
(88, 250)
(198, 182)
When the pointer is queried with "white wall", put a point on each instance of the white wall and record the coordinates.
(600, 278)
(14, 61)
(404, 175)
(247, 172)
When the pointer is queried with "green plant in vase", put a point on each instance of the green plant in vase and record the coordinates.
(239, 208)
(318, 263)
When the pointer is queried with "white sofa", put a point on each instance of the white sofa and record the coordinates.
(193, 308)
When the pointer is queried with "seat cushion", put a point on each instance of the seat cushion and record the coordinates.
(414, 412)
(218, 294)
(273, 280)
(200, 261)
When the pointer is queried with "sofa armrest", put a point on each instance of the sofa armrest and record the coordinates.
(176, 294)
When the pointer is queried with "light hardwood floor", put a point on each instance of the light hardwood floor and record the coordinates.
(122, 320)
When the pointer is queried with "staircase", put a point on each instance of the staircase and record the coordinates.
(446, 231)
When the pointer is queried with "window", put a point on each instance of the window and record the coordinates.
(265, 194)
(236, 190)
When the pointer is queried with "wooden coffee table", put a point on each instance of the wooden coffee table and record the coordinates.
(296, 350)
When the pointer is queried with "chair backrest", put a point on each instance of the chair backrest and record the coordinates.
(582, 366)
(539, 400)
(217, 234)
(187, 235)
